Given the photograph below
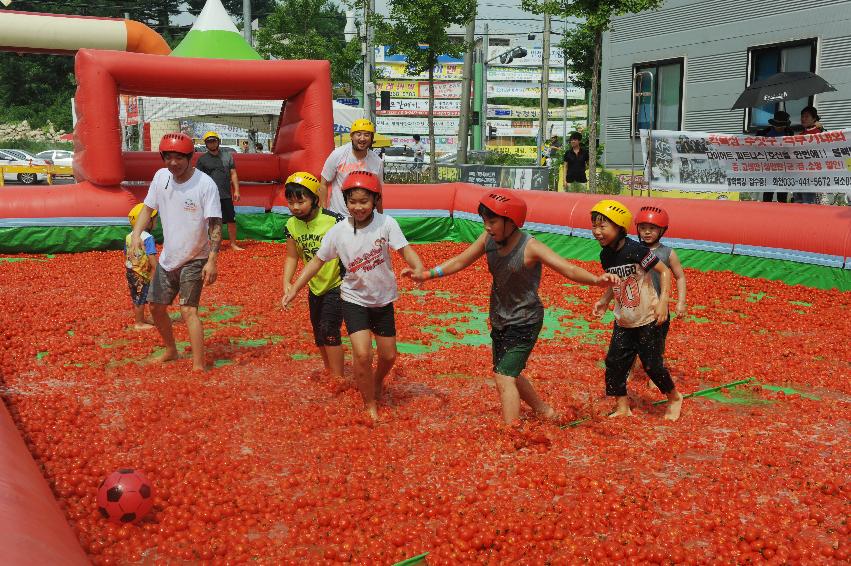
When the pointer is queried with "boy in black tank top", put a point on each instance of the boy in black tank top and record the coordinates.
(516, 313)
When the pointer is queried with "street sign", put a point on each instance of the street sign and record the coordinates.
(349, 101)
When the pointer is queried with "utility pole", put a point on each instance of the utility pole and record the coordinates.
(545, 89)
(564, 97)
(463, 120)
(246, 20)
(483, 113)
(477, 96)
(369, 62)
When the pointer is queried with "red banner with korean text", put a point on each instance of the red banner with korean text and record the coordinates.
(698, 161)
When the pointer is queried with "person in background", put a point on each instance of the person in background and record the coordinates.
(220, 166)
(810, 122)
(779, 127)
(355, 156)
(258, 148)
(576, 160)
(419, 153)
(244, 146)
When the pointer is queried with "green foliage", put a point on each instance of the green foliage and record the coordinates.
(418, 29)
(311, 29)
(578, 46)
(36, 88)
(499, 158)
(608, 183)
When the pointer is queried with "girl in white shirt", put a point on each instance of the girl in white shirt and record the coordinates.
(363, 243)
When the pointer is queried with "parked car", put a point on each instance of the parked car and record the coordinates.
(57, 156)
(396, 158)
(21, 158)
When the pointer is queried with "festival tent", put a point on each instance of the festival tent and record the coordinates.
(259, 115)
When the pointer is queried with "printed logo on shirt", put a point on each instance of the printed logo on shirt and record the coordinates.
(189, 205)
(309, 244)
(371, 259)
(346, 168)
(623, 271)
(648, 259)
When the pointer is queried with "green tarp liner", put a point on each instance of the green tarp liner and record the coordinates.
(269, 227)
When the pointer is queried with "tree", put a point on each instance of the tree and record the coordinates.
(418, 30)
(598, 15)
(578, 47)
(311, 29)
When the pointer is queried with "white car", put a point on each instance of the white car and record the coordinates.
(398, 159)
(57, 156)
(20, 158)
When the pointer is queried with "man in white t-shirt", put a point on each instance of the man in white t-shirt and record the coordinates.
(345, 159)
(191, 213)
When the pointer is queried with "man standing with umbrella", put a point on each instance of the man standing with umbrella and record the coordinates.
(782, 87)
(810, 124)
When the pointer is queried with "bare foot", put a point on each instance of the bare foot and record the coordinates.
(167, 356)
(548, 413)
(621, 412)
(373, 413)
(235, 247)
(143, 326)
(202, 367)
(149, 320)
(675, 405)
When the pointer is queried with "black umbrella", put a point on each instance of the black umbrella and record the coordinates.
(781, 87)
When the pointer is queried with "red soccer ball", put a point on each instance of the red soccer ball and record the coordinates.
(125, 496)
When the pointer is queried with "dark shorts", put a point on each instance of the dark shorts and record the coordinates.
(512, 346)
(185, 280)
(228, 213)
(326, 316)
(380, 320)
(138, 288)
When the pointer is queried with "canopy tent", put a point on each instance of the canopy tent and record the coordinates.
(259, 115)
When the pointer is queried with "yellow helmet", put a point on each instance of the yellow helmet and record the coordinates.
(306, 180)
(362, 125)
(212, 134)
(135, 211)
(614, 211)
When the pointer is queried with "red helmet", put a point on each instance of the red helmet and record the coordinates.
(506, 203)
(177, 142)
(363, 180)
(652, 215)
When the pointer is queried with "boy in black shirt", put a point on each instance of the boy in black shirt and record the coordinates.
(639, 311)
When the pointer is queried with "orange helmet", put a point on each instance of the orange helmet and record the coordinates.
(652, 215)
(504, 202)
(363, 180)
(177, 142)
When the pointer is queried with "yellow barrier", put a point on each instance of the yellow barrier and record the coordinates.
(49, 170)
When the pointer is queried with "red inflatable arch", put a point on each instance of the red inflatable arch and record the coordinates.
(303, 139)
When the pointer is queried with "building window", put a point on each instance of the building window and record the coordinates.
(780, 58)
(658, 102)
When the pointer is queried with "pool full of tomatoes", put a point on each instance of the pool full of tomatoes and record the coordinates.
(264, 459)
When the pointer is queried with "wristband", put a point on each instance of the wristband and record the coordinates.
(439, 271)
(431, 274)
